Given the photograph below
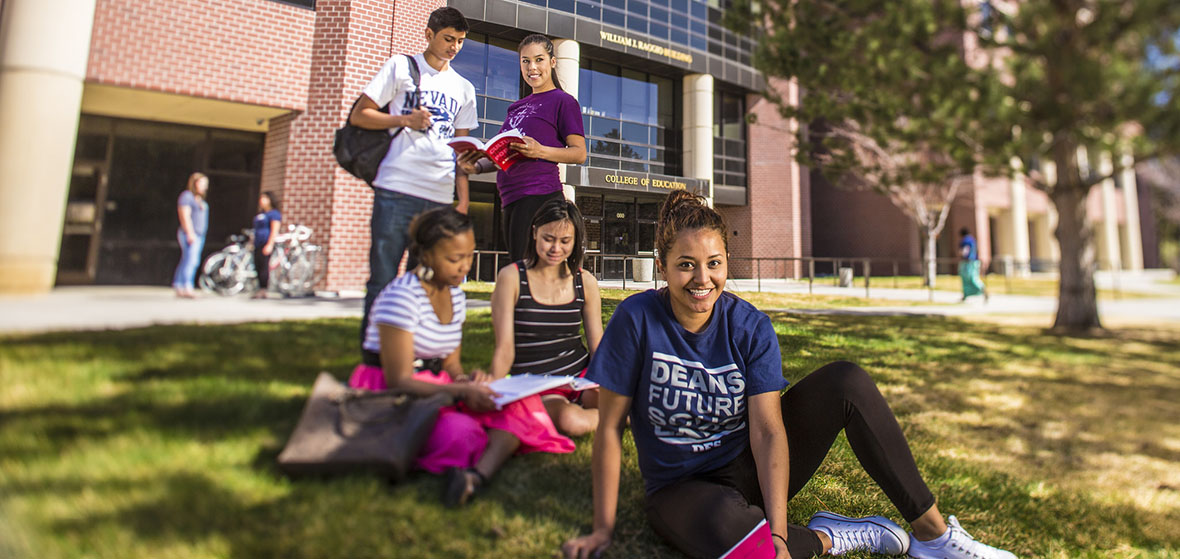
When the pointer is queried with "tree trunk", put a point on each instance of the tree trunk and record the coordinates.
(1077, 303)
(931, 258)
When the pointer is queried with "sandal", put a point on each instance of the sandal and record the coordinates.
(459, 487)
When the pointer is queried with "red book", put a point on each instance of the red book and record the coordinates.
(496, 148)
(758, 544)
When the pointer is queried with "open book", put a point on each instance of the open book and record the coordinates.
(496, 148)
(515, 387)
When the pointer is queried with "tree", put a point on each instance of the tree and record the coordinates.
(891, 102)
(1083, 76)
(985, 84)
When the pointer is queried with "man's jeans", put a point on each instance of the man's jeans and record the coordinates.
(389, 231)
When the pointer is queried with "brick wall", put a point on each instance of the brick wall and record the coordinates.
(274, 153)
(773, 224)
(857, 223)
(249, 51)
(352, 39)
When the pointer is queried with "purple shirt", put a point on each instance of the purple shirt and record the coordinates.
(548, 118)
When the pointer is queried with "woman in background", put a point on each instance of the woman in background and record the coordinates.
(266, 228)
(193, 211)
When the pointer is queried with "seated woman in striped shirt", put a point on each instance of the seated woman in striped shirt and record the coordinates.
(413, 344)
(538, 307)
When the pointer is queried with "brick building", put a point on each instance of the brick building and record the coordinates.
(250, 91)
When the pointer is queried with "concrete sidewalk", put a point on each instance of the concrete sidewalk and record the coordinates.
(115, 307)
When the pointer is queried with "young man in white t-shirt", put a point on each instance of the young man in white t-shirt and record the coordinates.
(418, 173)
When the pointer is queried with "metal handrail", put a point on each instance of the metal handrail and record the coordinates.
(788, 267)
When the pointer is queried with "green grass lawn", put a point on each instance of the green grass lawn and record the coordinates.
(161, 442)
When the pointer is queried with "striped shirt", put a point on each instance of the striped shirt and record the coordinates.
(403, 304)
(548, 337)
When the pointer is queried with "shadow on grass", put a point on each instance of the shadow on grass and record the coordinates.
(246, 384)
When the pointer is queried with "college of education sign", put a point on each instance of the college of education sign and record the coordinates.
(626, 41)
(635, 182)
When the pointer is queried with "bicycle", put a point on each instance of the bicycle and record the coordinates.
(300, 265)
(230, 270)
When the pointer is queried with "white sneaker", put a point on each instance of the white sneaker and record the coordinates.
(871, 533)
(960, 545)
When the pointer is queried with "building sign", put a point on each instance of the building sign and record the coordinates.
(634, 182)
(626, 41)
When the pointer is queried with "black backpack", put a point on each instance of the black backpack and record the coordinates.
(360, 150)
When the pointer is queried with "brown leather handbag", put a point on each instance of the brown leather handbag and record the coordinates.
(343, 430)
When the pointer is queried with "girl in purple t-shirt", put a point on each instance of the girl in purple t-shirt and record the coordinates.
(551, 121)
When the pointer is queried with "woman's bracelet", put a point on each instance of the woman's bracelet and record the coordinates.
(480, 168)
(784, 538)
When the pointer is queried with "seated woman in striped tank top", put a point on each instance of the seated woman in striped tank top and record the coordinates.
(413, 344)
(538, 307)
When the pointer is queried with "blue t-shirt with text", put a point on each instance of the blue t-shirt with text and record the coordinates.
(689, 391)
(262, 223)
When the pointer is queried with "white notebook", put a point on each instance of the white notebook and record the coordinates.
(515, 387)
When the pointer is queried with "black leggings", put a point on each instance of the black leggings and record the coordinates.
(705, 515)
(262, 266)
(518, 222)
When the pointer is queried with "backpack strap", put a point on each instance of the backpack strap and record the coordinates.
(416, 77)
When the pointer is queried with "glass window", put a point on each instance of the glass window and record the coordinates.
(497, 109)
(635, 133)
(658, 14)
(678, 36)
(588, 10)
(604, 163)
(658, 30)
(613, 17)
(637, 7)
(562, 5)
(604, 127)
(631, 152)
(637, 23)
(503, 72)
(635, 96)
(620, 4)
(602, 147)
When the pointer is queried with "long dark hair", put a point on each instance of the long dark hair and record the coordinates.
(558, 210)
(430, 227)
(545, 42)
(684, 211)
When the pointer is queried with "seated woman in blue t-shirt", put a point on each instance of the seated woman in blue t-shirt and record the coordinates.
(721, 448)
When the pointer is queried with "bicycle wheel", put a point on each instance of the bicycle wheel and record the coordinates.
(218, 272)
(296, 279)
(241, 274)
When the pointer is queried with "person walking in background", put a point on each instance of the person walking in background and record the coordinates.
(969, 266)
(551, 121)
(266, 229)
(193, 211)
(418, 172)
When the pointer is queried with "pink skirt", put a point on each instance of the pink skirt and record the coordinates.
(460, 436)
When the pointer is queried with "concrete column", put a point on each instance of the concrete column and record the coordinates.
(698, 128)
(569, 70)
(1133, 248)
(1018, 219)
(1109, 251)
(44, 49)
